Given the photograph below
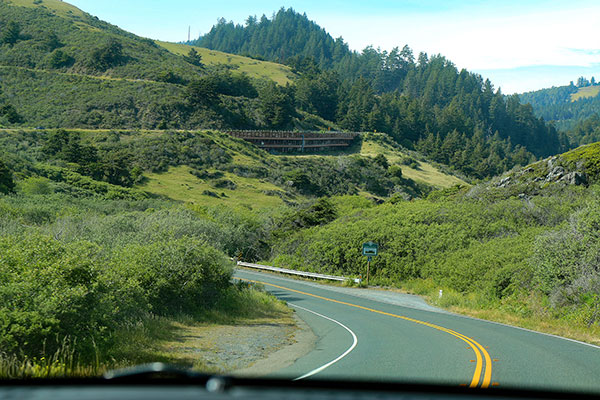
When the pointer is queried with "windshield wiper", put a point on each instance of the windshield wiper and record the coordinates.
(152, 371)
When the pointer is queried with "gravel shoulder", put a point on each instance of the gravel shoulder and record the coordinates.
(250, 348)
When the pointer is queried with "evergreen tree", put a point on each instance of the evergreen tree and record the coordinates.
(202, 92)
(276, 105)
(106, 56)
(10, 114)
(194, 58)
(7, 185)
(10, 33)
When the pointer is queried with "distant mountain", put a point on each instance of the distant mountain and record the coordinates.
(566, 106)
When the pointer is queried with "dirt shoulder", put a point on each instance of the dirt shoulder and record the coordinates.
(251, 348)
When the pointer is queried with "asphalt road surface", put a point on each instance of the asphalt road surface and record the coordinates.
(380, 335)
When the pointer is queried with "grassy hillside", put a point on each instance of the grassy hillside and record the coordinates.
(65, 68)
(57, 7)
(413, 165)
(257, 69)
(231, 190)
(86, 44)
(585, 92)
(209, 167)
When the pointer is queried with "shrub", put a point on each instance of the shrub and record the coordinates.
(224, 184)
(177, 276)
(59, 59)
(567, 260)
(106, 56)
(395, 171)
(36, 185)
(10, 33)
(50, 291)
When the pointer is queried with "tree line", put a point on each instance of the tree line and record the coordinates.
(422, 102)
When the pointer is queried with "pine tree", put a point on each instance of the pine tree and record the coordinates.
(193, 58)
(10, 34)
(7, 185)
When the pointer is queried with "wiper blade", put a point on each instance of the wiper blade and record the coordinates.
(152, 371)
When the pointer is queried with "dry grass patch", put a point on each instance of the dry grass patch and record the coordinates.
(588, 91)
(179, 184)
(425, 172)
(253, 68)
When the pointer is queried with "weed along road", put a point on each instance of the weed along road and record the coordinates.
(370, 334)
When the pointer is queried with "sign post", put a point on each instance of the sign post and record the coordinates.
(369, 249)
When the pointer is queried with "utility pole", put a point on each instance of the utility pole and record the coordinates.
(189, 31)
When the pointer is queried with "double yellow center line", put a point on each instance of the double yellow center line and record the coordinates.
(481, 353)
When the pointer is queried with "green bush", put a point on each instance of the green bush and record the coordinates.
(567, 260)
(51, 290)
(177, 276)
(36, 185)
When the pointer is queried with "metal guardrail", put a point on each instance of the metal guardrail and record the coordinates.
(295, 272)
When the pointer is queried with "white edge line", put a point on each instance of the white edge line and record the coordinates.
(330, 363)
(525, 329)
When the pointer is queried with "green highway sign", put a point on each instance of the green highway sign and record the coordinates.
(370, 249)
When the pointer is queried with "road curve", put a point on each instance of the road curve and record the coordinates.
(398, 337)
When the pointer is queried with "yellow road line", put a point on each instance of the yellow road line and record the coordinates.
(477, 348)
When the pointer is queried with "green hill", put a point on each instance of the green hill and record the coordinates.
(566, 106)
(48, 26)
(585, 92)
(61, 67)
(414, 165)
(209, 168)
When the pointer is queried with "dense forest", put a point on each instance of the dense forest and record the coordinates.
(423, 102)
(565, 106)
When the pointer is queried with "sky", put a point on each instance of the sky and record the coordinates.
(520, 45)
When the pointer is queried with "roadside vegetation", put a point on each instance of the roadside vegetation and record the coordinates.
(521, 249)
(119, 216)
(78, 206)
(111, 241)
(93, 283)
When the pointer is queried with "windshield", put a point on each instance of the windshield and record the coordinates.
(400, 192)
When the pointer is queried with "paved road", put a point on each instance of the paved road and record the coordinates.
(398, 337)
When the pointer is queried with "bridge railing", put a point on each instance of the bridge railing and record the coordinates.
(257, 134)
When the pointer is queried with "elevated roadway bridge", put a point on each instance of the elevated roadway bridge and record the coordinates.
(289, 141)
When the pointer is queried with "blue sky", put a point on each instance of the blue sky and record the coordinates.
(520, 45)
